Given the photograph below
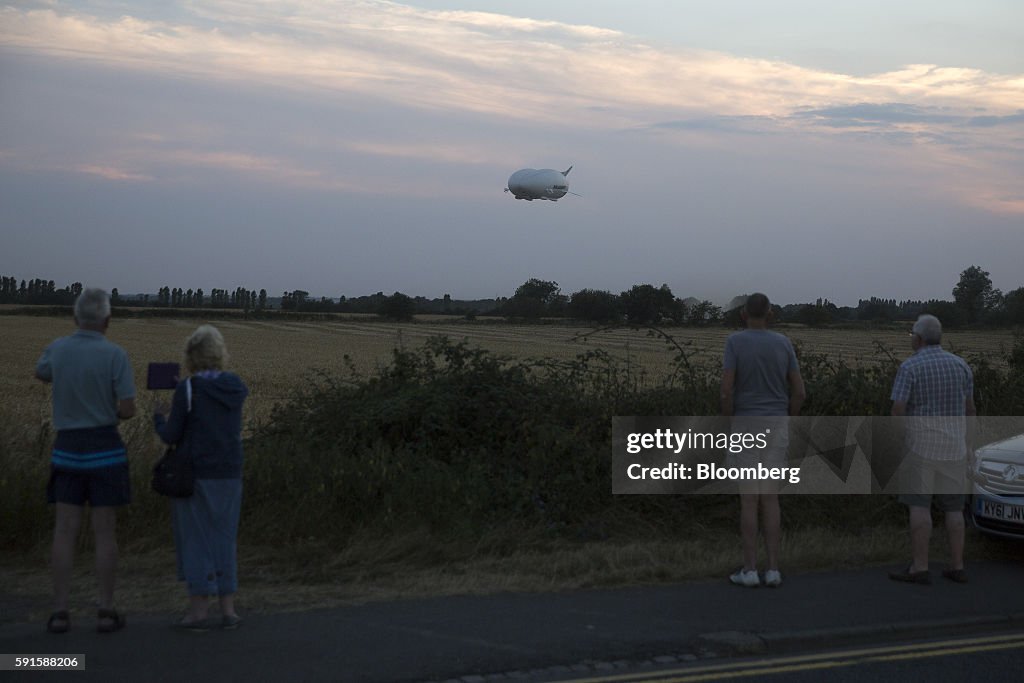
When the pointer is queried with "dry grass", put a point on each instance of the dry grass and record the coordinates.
(274, 357)
(369, 571)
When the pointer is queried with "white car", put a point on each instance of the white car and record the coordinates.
(997, 491)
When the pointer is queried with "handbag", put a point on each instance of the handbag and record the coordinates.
(172, 474)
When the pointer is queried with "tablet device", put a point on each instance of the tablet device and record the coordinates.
(162, 376)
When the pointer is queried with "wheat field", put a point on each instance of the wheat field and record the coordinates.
(277, 357)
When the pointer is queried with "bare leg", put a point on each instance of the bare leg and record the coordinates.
(65, 533)
(920, 534)
(104, 528)
(955, 531)
(198, 607)
(771, 518)
(748, 530)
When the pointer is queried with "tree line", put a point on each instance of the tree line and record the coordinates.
(975, 302)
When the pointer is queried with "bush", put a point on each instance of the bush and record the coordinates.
(455, 442)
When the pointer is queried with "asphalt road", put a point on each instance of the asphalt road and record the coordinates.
(579, 632)
(992, 658)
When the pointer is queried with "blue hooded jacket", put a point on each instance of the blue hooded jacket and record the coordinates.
(211, 432)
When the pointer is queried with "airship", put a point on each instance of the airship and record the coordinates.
(545, 183)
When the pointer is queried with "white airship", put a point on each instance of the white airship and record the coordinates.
(546, 183)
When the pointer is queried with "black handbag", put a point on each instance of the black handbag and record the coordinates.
(172, 474)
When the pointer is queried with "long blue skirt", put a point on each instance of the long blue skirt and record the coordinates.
(206, 536)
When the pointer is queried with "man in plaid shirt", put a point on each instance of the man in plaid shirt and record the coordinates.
(935, 389)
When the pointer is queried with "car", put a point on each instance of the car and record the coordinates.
(996, 504)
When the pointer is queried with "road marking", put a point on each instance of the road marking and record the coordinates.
(821, 660)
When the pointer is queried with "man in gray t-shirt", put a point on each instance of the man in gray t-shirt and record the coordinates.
(760, 378)
(93, 390)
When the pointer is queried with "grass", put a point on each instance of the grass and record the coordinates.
(373, 568)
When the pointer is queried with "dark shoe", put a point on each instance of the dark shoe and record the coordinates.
(230, 623)
(906, 576)
(194, 626)
(955, 575)
(108, 621)
(59, 622)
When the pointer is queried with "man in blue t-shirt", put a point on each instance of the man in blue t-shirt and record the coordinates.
(760, 379)
(93, 390)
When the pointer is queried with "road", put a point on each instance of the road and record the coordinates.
(992, 657)
(544, 636)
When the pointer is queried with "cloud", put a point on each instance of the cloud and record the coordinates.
(991, 121)
(479, 62)
(723, 124)
(112, 173)
(896, 113)
(515, 71)
(885, 113)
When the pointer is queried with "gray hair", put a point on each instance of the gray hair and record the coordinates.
(92, 306)
(928, 328)
(205, 349)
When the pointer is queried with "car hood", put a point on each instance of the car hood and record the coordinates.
(1009, 450)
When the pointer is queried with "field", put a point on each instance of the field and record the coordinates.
(274, 357)
(343, 556)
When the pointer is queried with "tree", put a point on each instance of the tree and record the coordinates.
(949, 314)
(294, 300)
(535, 298)
(1013, 306)
(704, 313)
(975, 295)
(595, 304)
(814, 315)
(398, 306)
(645, 304)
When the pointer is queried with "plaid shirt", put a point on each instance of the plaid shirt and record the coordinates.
(935, 385)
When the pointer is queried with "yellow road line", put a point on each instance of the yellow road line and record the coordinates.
(810, 662)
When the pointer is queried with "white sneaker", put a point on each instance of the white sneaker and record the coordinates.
(743, 578)
(773, 578)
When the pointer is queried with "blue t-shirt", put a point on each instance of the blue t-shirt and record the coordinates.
(90, 375)
(762, 360)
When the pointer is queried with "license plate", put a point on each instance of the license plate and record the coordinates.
(1004, 511)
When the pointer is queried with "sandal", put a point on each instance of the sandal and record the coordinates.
(195, 626)
(923, 578)
(116, 621)
(955, 575)
(230, 623)
(60, 616)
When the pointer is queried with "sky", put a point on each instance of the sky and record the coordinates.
(805, 149)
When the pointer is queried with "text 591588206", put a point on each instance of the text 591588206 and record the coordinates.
(34, 662)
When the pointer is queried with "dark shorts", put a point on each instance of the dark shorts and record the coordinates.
(102, 487)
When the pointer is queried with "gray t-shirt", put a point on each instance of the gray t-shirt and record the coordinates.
(762, 360)
(90, 375)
